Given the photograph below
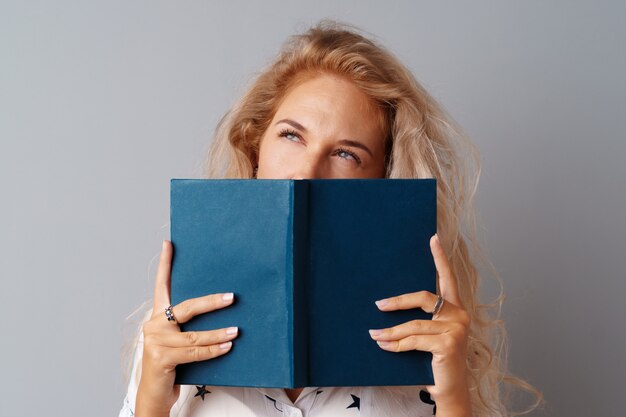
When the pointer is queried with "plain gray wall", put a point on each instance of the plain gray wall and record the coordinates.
(101, 103)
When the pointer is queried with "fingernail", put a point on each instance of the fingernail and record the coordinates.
(381, 303)
(228, 296)
(383, 344)
(436, 237)
(163, 245)
(375, 332)
(232, 330)
(226, 345)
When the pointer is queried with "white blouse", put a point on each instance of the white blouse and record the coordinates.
(211, 401)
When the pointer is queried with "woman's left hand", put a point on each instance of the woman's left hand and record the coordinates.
(445, 336)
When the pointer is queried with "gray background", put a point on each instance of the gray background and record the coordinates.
(101, 103)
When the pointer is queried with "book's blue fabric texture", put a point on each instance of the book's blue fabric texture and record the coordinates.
(306, 260)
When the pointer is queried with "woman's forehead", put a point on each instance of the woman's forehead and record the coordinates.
(329, 102)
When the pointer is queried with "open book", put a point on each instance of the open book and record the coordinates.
(306, 260)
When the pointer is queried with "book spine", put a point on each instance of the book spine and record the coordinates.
(300, 279)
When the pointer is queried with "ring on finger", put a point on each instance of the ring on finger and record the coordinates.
(438, 306)
(170, 314)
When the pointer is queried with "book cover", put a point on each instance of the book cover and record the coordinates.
(306, 260)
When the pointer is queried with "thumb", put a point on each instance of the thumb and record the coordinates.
(163, 275)
(447, 283)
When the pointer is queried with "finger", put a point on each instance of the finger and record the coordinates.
(162, 284)
(426, 343)
(447, 283)
(203, 338)
(413, 327)
(422, 299)
(186, 310)
(197, 353)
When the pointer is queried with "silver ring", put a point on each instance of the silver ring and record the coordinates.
(169, 314)
(438, 306)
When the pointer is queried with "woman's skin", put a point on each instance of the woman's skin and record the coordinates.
(325, 127)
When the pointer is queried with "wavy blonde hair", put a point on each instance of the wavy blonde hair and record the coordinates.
(422, 141)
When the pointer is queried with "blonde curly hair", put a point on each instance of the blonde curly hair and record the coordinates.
(422, 141)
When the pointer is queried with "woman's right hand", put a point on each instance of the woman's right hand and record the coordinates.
(165, 346)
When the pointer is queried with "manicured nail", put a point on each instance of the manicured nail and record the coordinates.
(226, 345)
(383, 344)
(232, 330)
(381, 303)
(375, 332)
(228, 296)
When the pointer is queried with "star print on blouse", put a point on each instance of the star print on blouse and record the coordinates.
(425, 397)
(274, 401)
(356, 402)
(202, 391)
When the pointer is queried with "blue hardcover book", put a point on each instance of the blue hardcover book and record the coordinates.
(306, 260)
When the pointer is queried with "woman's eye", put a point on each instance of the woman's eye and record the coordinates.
(289, 134)
(344, 154)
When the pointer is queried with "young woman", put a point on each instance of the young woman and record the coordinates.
(336, 105)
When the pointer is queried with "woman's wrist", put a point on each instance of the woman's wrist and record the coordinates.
(145, 409)
(147, 406)
(457, 404)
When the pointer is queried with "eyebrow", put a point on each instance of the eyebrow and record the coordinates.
(346, 142)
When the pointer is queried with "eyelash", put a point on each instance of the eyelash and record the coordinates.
(286, 132)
